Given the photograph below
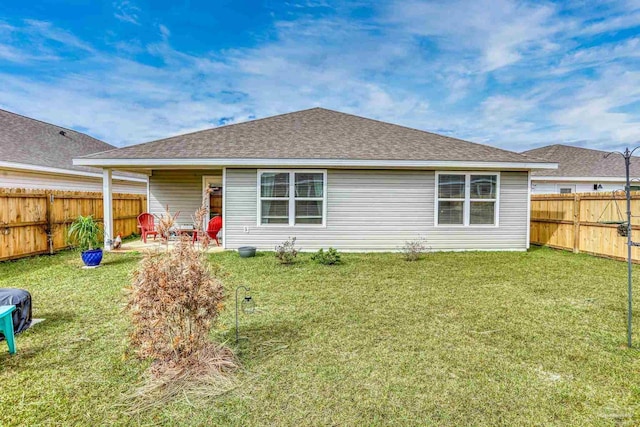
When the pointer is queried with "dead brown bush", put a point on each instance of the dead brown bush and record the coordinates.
(166, 223)
(174, 301)
(201, 214)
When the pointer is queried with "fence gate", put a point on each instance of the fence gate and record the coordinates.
(585, 222)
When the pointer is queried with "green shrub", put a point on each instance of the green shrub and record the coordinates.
(330, 257)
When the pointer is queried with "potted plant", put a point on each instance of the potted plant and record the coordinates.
(86, 234)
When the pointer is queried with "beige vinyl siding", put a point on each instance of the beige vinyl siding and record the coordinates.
(181, 190)
(10, 178)
(377, 210)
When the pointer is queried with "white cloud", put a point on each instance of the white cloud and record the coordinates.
(36, 41)
(599, 55)
(595, 113)
(503, 72)
(12, 54)
(627, 19)
(164, 31)
(127, 12)
(48, 32)
(501, 32)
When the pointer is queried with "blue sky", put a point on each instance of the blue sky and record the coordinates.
(512, 74)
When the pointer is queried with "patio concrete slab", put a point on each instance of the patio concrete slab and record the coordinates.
(158, 245)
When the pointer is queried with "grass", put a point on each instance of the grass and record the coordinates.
(531, 338)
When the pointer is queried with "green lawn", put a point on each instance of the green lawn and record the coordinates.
(455, 339)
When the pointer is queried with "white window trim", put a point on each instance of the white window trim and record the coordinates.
(466, 213)
(570, 187)
(292, 198)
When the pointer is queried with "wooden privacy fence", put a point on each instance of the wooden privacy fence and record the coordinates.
(36, 221)
(585, 222)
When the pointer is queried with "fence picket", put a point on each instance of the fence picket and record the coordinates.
(35, 222)
(584, 222)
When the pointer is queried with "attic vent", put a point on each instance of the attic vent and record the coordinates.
(63, 133)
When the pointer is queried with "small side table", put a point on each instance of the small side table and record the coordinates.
(192, 232)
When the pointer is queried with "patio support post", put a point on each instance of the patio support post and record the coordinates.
(107, 203)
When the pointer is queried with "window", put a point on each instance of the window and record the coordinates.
(566, 190)
(274, 198)
(291, 197)
(467, 199)
(451, 196)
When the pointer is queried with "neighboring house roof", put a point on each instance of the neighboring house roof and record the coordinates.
(27, 141)
(318, 134)
(575, 162)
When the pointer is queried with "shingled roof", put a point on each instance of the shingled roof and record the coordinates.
(316, 133)
(33, 142)
(582, 162)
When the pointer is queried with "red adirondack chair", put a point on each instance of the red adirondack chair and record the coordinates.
(147, 226)
(214, 227)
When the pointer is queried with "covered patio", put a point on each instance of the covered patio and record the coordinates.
(177, 192)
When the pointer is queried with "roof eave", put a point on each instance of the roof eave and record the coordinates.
(581, 178)
(336, 163)
(62, 171)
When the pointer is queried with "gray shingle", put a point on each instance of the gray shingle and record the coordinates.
(582, 162)
(30, 141)
(317, 133)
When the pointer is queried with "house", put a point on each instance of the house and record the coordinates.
(335, 179)
(580, 170)
(39, 155)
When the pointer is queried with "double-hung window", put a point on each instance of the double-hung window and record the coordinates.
(467, 199)
(292, 197)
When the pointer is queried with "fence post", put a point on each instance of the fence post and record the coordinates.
(576, 223)
(48, 215)
(143, 208)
